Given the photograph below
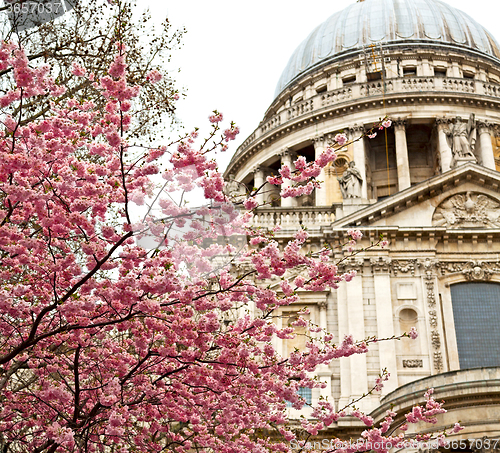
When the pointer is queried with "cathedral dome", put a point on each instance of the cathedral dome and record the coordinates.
(389, 22)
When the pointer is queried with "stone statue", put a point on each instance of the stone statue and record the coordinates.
(232, 188)
(351, 182)
(462, 137)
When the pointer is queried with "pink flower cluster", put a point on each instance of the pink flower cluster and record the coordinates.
(341, 139)
(413, 334)
(154, 76)
(216, 117)
(231, 133)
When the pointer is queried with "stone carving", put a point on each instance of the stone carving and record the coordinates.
(467, 210)
(438, 361)
(433, 318)
(413, 363)
(484, 445)
(381, 264)
(322, 304)
(233, 188)
(477, 271)
(404, 266)
(435, 339)
(431, 299)
(462, 137)
(472, 270)
(352, 264)
(351, 182)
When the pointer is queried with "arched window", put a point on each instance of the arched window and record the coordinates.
(476, 311)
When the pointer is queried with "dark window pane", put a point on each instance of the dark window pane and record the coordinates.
(305, 393)
(476, 311)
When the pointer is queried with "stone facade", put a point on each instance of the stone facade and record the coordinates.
(429, 185)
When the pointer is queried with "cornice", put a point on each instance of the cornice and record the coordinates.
(253, 145)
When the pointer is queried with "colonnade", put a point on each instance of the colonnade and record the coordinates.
(483, 151)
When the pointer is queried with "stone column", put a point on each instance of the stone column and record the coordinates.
(324, 373)
(276, 342)
(486, 147)
(287, 159)
(258, 180)
(334, 81)
(345, 366)
(444, 150)
(359, 156)
(322, 315)
(402, 155)
(356, 327)
(426, 69)
(385, 322)
(321, 193)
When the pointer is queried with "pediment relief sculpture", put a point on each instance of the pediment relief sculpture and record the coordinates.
(467, 210)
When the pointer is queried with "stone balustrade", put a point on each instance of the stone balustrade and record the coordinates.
(336, 96)
(302, 108)
(365, 90)
(293, 218)
(491, 89)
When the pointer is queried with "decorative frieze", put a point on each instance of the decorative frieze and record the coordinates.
(404, 266)
(471, 270)
(413, 363)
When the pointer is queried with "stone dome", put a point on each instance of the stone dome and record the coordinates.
(390, 22)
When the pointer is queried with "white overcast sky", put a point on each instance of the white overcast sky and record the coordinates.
(234, 51)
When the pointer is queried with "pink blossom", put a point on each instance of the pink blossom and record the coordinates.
(386, 123)
(230, 134)
(155, 76)
(118, 67)
(341, 139)
(413, 334)
(78, 70)
(356, 235)
(251, 203)
(274, 180)
(327, 156)
(372, 135)
(216, 117)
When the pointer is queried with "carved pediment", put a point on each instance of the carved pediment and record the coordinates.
(467, 210)
(464, 197)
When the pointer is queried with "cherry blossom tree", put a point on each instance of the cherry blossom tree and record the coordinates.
(86, 35)
(110, 346)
